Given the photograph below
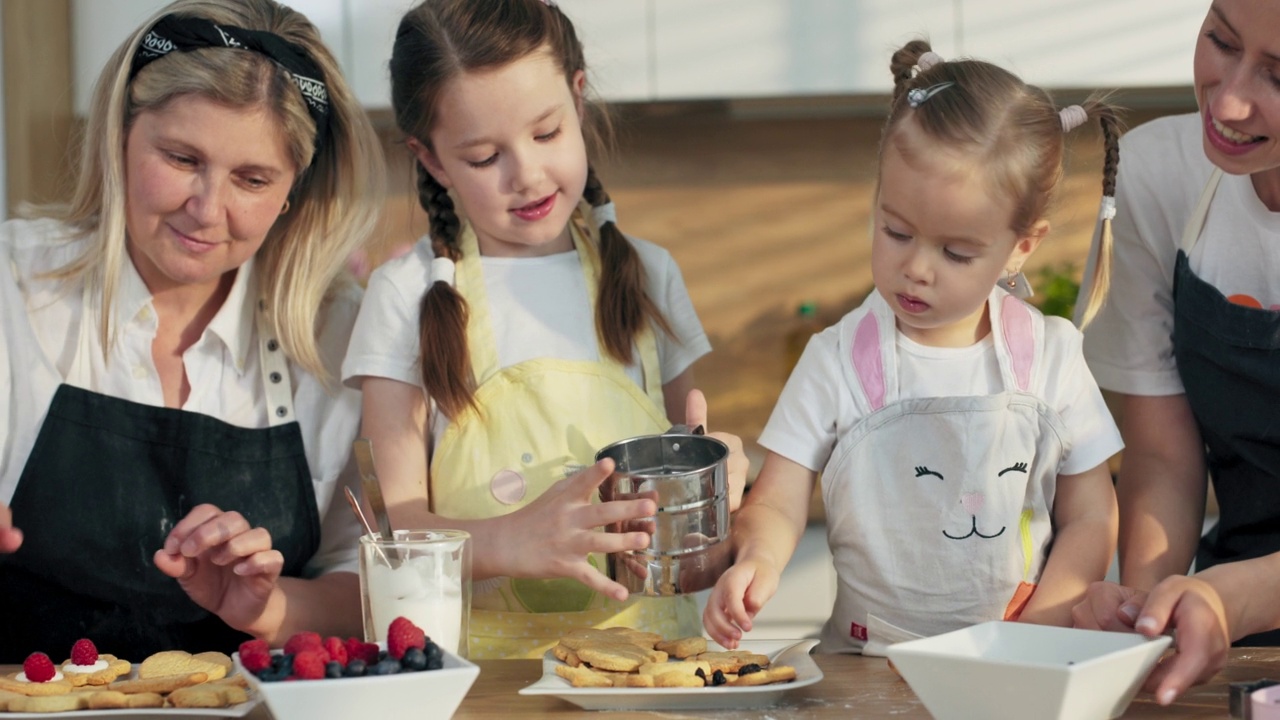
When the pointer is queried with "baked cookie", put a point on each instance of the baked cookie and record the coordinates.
(163, 685)
(730, 660)
(11, 683)
(684, 667)
(618, 656)
(206, 695)
(107, 669)
(767, 676)
(683, 648)
(50, 703)
(579, 637)
(179, 662)
(583, 677)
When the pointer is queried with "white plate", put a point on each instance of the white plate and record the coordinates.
(723, 697)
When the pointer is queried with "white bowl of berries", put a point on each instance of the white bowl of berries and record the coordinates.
(351, 678)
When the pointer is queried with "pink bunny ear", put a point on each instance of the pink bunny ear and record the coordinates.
(1019, 338)
(867, 362)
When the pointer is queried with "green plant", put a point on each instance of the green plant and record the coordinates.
(1056, 290)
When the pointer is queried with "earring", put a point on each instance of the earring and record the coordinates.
(1017, 285)
(285, 209)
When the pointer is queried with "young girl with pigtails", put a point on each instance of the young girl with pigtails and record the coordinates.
(961, 439)
(524, 333)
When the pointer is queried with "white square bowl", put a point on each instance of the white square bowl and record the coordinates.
(422, 695)
(1007, 670)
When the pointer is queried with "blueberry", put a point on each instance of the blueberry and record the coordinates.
(748, 669)
(355, 668)
(718, 678)
(414, 659)
(333, 669)
(433, 651)
(434, 663)
(390, 666)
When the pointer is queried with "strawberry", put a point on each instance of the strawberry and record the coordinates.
(337, 651)
(38, 667)
(357, 648)
(255, 660)
(255, 645)
(83, 652)
(302, 641)
(402, 635)
(309, 664)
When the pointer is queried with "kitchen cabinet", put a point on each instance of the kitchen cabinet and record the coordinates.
(672, 50)
(761, 48)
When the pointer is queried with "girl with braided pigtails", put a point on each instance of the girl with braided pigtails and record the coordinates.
(524, 333)
(961, 439)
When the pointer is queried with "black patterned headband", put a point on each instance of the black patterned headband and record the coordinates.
(184, 34)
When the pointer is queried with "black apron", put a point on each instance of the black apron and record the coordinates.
(1228, 357)
(106, 481)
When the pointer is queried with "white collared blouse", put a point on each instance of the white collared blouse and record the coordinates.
(40, 320)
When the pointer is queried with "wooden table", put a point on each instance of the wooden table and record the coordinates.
(852, 686)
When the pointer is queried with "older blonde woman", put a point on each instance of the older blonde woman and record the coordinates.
(172, 437)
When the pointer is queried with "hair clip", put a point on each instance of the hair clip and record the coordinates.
(917, 96)
(605, 213)
(1108, 209)
(549, 3)
(927, 60)
(1072, 117)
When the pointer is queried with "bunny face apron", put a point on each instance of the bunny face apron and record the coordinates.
(938, 509)
(540, 418)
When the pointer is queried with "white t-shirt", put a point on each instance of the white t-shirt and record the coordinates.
(222, 367)
(1163, 170)
(538, 306)
(815, 407)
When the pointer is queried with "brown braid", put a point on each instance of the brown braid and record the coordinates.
(1108, 117)
(624, 305)
(442, 318)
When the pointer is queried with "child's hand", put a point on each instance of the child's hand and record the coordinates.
(739, 594)
(695, 414)
(1108, 606)
(552, 536)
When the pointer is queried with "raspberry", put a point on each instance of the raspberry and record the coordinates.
(337, 651)
(255, 660)
(255, 646)
(302, 641)
(309, 664)
(402, 635)
(358, 649)
(83, 652)
(38, 667)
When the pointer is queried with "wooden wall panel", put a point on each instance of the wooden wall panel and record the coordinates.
(37, 93)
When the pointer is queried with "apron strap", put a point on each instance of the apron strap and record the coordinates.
(1191, 232)
(480, 341)
(1018, 338)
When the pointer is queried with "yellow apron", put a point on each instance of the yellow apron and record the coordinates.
(538, 419)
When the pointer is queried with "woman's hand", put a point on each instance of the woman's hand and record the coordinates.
(226, 566)
(1188, 605)
(736, 464)
(552, 536)
(10, 536)
(733, 603)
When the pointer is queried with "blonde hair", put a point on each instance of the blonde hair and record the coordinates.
(335, 198)
(436, 41)
(1010, 128)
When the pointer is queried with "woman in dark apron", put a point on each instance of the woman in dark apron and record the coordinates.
(157, 490)
(1220, 318)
